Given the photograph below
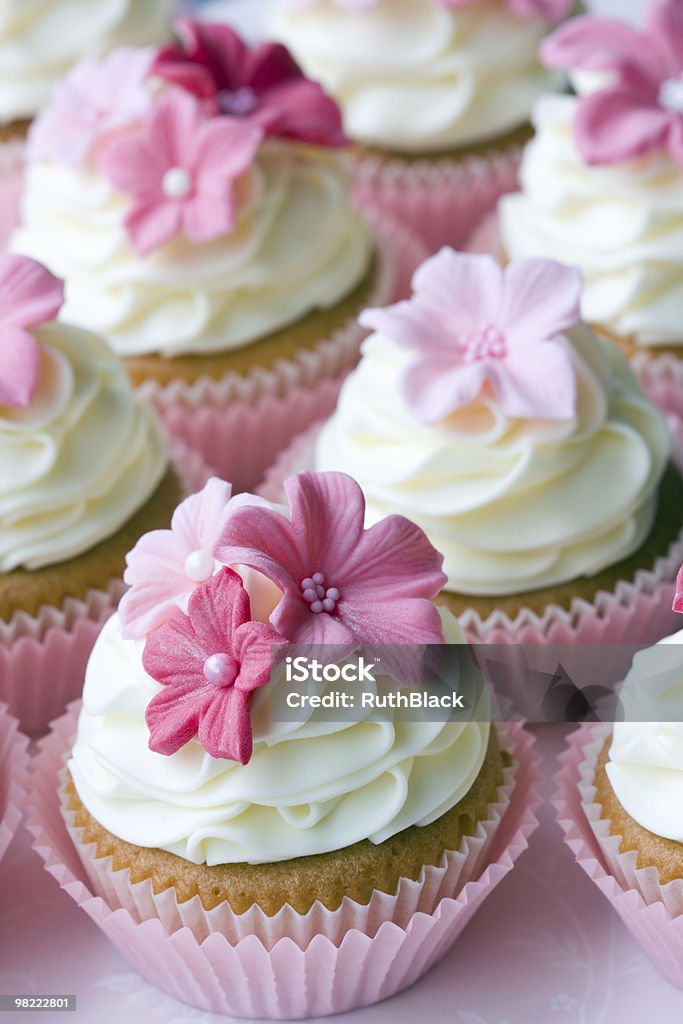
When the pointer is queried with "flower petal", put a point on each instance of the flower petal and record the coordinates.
(294, 621)
(216, 609)
(393, 558)
(173, 654)
(541, 298)
(173, 715)
(412, 325)
(463, 287)
(270, 65)
(601, 44)
(617, 124)
(433, 388)
(257, 647)
(29, 293)
(664, 23)
(537, 384)
(301, 110)
(207, 217)
(262, 539)
(225, 148)
(152, 224)
(19, 366)
(225, 725)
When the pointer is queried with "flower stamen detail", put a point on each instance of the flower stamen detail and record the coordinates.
(488, 342)
(317, 596)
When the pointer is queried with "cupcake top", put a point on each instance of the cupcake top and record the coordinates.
(79, 453)
(645, 766)
(178, 744)
(192, 197)
(419, 76)
(484, 410)
(41, 40)
(602, 181)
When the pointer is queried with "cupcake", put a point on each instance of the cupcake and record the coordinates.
(39, 44)
(200, 807)
(620, 802)
(602, 186)
(85, 472)
(484, 410)
(196, 201)
(436, 94)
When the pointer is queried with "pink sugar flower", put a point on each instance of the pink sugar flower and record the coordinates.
(550, 10)
(678, 600)
(642, 110)
(476, 329)
(94, 101)
(341, 584)
(165, 566)
(209, 662)
(262, 85)
(180, 169)
(29, 295)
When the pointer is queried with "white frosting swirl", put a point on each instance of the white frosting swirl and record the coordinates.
(41, 40)
(621, 224)
(311, 786)
(414, 76)
(646, 757)
(80, 460)
(513, 505)
(298, 246)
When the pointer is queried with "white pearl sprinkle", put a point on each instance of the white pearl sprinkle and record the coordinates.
(671, 94)
(199, 565)
(176, 183)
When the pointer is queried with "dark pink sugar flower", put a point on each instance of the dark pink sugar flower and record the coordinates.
(640, 111)
(476, 329)
(341, 584)
(180, 169)
(29, 296)
(209, 662)
(263, 84)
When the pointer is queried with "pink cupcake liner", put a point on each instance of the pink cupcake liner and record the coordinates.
(12, 181)
(636, 612)
(305, 975)
(441, 200)
(652, 913)
(14, 761)
(240, 423)
(43, 656)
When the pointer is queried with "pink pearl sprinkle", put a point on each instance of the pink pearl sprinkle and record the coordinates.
(220, 669)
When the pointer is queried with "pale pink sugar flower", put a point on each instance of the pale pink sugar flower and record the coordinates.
(165, 566)
(96, 100)
(29, 296)
(475, 329)
(181, 169)
(640, 112)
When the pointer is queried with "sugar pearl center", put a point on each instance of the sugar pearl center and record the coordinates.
(199, 565)
(238, 102)
(671, 94)
(317, 595)
(220, 670)
(487, 342)
(176, 183)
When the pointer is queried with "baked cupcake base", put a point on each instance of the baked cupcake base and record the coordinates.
(313, 969)
(354, 872)
(240, 408)
(652, 912)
